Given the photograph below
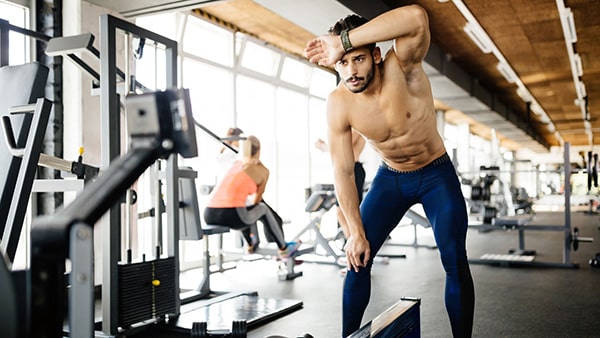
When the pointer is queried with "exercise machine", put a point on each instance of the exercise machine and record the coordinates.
(159, 128)
(287, 269)
(320, 201)
(402, 319)
(524, 222)
(25, 115)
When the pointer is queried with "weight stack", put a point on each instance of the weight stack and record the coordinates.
(146, 291)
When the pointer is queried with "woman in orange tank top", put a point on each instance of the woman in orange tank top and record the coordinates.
(246, 178)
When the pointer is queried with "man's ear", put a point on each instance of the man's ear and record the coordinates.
(377, 55)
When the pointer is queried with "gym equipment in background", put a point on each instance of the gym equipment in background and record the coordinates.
(19, 86)
(160, 125)
(24, 125)
(401, 320)
(287, 269)
(524, 222)
(320, 201)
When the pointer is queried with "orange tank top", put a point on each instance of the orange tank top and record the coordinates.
(233, 189)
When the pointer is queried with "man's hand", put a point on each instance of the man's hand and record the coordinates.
(324, 50)
(358, 252)
(322, 146)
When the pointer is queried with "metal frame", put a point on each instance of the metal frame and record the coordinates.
(110, 145)
(315, 223)
(523, 226)
(49, 237)
(160, 133)
(5, 28)
(81, 299)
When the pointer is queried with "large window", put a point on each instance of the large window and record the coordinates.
(256, 116)
(292, 152)
(211, 93)
(321, 82)
(295, 72)
(208, 41)
(260, 59)
(16, 15)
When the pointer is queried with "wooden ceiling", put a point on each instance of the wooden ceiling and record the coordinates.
(530, 36)
(528, 33)
(253, 19)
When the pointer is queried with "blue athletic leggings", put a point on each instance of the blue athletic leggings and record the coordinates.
(391, 194)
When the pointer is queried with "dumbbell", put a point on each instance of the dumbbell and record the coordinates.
(575, 239)
(595, 261)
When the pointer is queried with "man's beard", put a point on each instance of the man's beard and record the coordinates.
(367, 81)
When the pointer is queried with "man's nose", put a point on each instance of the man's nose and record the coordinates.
(352, 68)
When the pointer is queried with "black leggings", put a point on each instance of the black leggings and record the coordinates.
(243, 217)
(391, 194)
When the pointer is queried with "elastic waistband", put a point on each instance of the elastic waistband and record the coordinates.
(440, 160)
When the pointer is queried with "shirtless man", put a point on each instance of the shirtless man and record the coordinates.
(389, 101)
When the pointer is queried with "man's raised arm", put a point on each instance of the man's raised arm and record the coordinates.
(407, 25)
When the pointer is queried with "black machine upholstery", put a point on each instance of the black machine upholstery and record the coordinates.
(322, 198)
(19, 85)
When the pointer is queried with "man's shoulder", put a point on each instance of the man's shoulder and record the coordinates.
(338, 92)
(336, 99)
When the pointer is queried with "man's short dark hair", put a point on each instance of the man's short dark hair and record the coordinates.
(349, 22)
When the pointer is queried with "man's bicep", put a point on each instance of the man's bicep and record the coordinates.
(412, 48)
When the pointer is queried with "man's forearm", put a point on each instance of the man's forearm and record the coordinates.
(397, 23)
(348, 201)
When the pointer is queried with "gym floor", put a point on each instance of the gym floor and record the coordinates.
(510, 301)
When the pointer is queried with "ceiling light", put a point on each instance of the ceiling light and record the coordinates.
(570, 34)
(587, 125)
(580, 87)
(576, 60)
(583, 109)
(524, 94)
(476, 33)
(479, 37)
(551, 128)
(568, 15)
(536, 109)
(506, 71)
